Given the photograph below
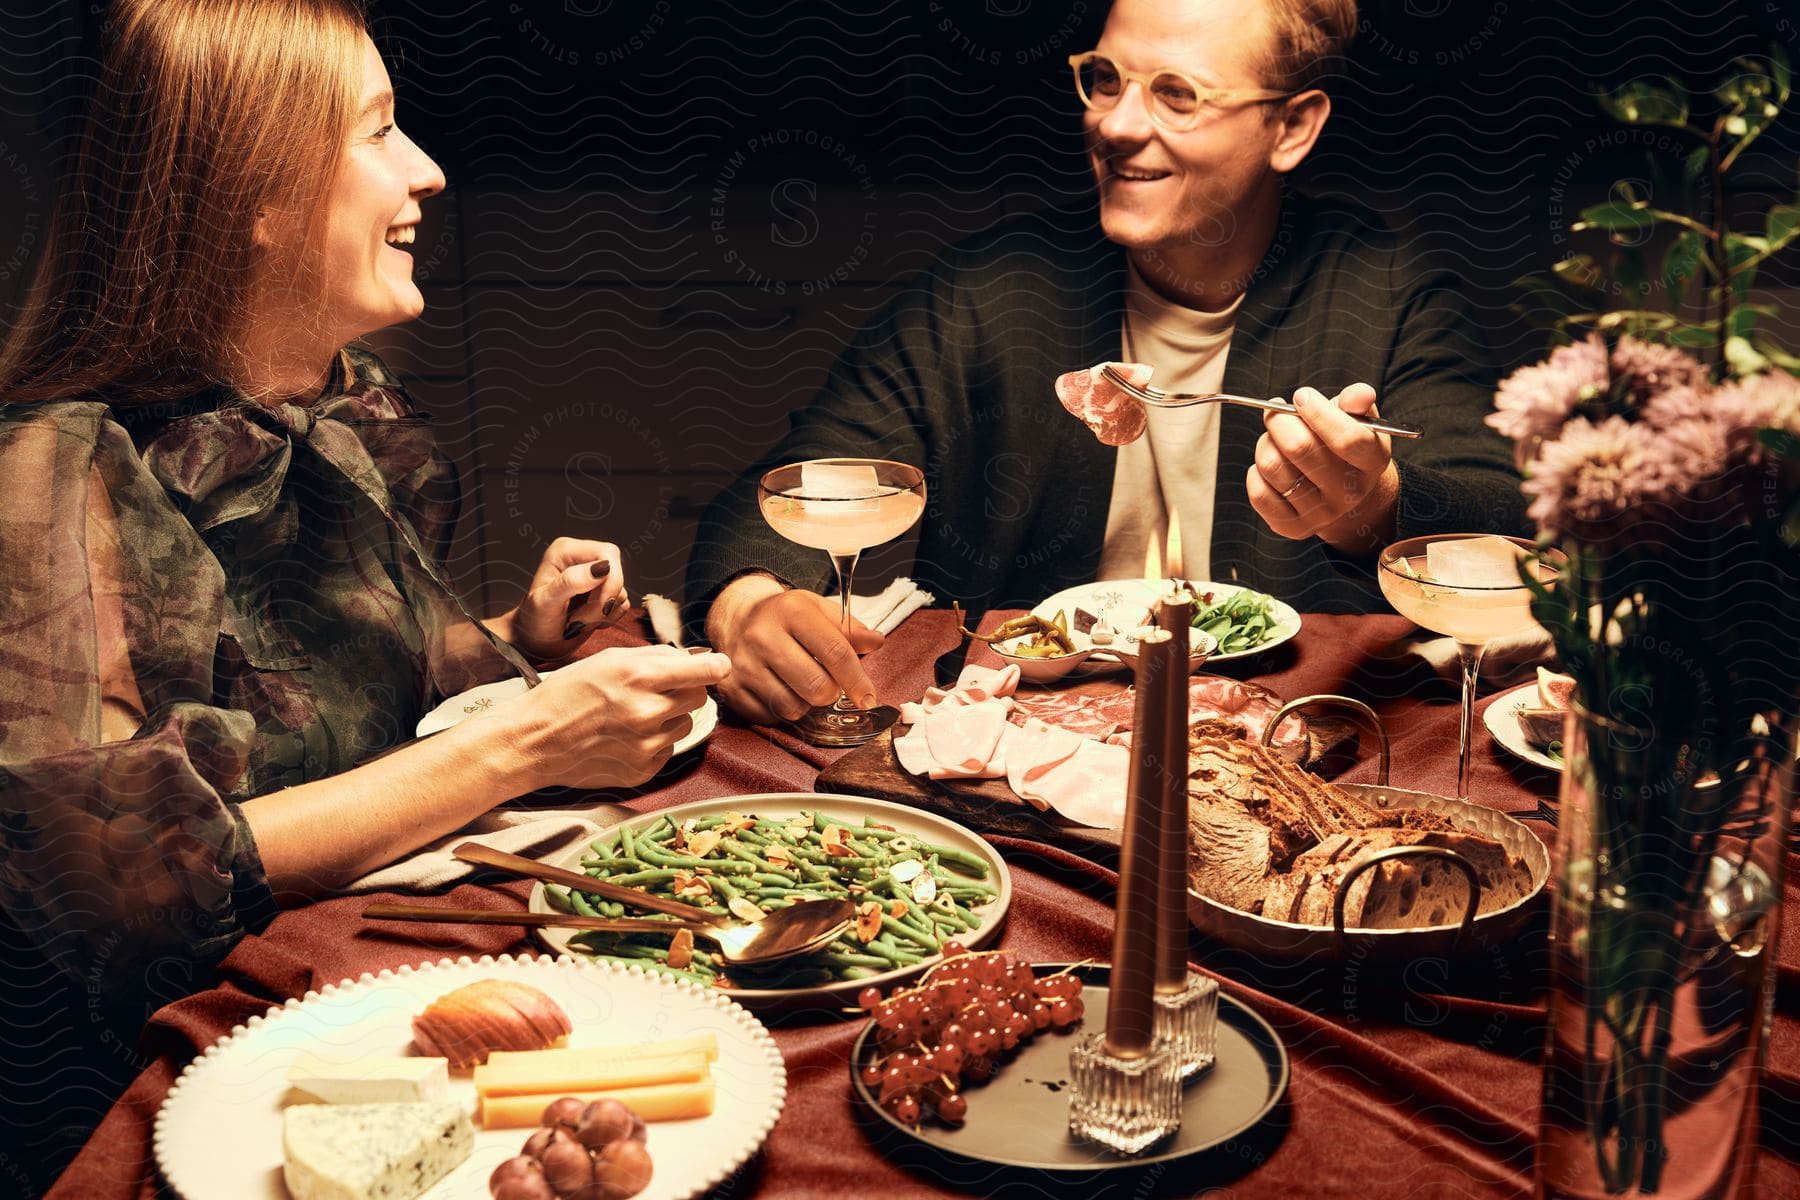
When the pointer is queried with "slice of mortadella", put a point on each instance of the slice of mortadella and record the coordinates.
(1115, 415)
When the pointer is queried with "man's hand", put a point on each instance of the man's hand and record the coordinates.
(1320, 474)
(787, 650)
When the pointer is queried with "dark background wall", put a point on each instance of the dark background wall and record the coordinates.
(665, 216)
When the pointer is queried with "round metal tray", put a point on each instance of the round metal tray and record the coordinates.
(1285, 940)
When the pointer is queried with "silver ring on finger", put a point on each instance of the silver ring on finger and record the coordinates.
(1298, 484)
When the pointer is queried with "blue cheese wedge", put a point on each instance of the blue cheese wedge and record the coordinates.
(406, 1080)
(371, 1151)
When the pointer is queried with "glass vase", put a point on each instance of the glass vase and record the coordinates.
(1673, 835)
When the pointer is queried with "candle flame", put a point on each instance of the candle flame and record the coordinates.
(1174, 555)
(1153, 562)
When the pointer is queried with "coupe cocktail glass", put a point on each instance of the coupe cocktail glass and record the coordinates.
(843, 506)
(1472, 614)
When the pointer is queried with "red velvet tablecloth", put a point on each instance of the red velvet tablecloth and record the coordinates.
(1412, 1081)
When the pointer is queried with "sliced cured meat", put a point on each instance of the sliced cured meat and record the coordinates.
(976, 684)
(962, 738)
(1114, 415)
(914, 755)
(1088, 786)
(1032, 751)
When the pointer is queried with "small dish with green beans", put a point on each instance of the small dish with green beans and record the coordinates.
(917, 879)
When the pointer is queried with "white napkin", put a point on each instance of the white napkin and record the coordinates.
(1508, 661)
(884, 611)
(665, 618)
(533, 833)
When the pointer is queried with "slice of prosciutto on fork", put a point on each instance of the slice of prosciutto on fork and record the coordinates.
(1115, 415)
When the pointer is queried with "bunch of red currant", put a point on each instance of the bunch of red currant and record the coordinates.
(955, 1024)
(590, 1150)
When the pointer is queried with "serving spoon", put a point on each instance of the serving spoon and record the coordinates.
(796, 929)
(1157, 398)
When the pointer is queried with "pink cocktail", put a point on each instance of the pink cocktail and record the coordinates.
(1471, 587)
(843, 506)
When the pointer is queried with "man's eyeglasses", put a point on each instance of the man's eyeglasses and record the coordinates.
(1176, 99)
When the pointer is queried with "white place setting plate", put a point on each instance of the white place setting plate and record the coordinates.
(218, 1133)
(478, 700)
(1501, 719)
(1125, 604)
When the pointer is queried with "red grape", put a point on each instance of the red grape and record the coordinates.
(567, 1165)
(603, 1122)
(624, 1169)
(906, 1109)
(868, 998)
(566, 1111)
(954, 949)
(953, 1108)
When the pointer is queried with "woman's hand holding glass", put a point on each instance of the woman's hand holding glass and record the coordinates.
(612, 719)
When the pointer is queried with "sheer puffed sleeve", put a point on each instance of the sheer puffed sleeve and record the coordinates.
(122, 851)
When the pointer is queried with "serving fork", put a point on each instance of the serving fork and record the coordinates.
(1157, 398)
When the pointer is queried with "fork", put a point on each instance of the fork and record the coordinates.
(1157, 398)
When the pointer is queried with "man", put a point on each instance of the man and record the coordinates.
(1202, 266)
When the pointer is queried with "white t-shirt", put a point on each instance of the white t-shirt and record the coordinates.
(1174, 467)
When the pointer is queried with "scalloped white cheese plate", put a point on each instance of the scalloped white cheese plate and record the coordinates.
(218, 1133)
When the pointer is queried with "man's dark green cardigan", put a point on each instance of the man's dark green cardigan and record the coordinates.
(956, 376)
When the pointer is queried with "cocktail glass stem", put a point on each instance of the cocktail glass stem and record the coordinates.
(845, 566)
(1471, 667)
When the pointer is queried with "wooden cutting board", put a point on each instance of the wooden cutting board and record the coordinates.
(989, 804)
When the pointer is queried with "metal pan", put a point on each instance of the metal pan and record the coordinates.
(1285, 940)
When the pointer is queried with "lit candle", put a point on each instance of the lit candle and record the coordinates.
(1174, 615)
(1130, 1006)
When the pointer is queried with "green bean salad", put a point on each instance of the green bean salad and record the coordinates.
(911, 895)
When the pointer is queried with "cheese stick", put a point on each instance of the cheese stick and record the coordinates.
(515, 1072)
(566, 1077)
(663, 1102)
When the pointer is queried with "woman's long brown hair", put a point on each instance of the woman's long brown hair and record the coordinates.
(208, 114)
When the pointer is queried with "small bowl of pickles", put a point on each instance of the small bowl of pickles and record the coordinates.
(1040, 647)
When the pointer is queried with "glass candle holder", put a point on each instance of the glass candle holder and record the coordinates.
(1124, 1104)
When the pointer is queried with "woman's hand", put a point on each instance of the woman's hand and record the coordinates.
(612, 719)
(579, 587)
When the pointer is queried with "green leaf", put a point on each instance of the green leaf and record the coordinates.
(1681, 264)
(1692, 336)
(1743, 319)
(1778, 71)
(1613, 217)
(1696, 163)
(1742, 356)
(1782, 223)
(1642, 103)
(1581, 272)
(1776, 355)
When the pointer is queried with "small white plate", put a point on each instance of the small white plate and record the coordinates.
(853, 809)
(1501, 720)
(218, 1133)
(1125, 603)
(478, 700)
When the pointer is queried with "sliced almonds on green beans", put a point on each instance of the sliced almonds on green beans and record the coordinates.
(910, 893)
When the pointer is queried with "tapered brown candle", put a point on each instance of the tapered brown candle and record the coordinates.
(1130, 1006)
(1174, 615)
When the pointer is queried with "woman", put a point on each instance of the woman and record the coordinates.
(219, 527)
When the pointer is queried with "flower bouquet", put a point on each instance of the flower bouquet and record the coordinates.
(1672, 484)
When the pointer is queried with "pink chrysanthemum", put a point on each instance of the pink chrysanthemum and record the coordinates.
(1744, 407)
(1533, 402)
(1649, 370)
(1619, 481)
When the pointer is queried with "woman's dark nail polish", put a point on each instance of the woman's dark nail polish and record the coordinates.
(573, 630)
(611, 606)
(601, 569)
